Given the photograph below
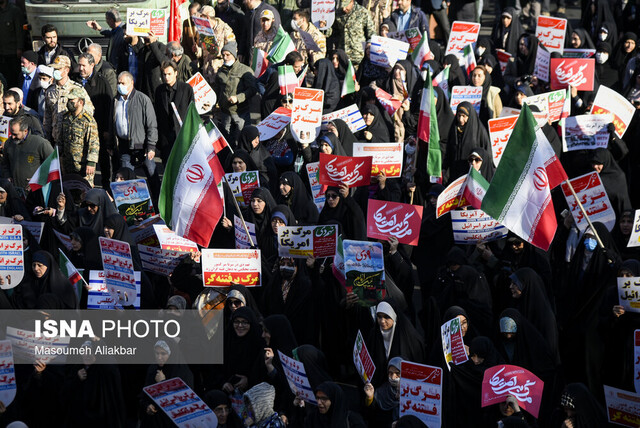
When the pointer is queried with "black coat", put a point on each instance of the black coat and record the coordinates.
(181, 94)
(59, 50)
(101, 96)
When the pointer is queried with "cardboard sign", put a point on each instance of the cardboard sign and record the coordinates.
(118, 269)
(362, 360)
(323, 11)
(24, 343)
(389, 103)
(451, 198)
(203, 26)
(351, 115)
(274, 123)
(99, 296)
(352, 171)
(242, 185)
(503, 59)
(500, 130)
(474, 226)
(306, 116)
(4, 128)
(472, 94)
(317, 189)
(11, 256)
(594, 199)
(462, 34)
(421, 392)
(142, 21)
(224, 267)
(576, 72)
(133, 199)
(364, 271)
(34, 227)
(242, 239)
(7, 373)
(587, 131)
(541, 67)
(144, 233)
(170, 241)
(386, 157)
(385, 52)
(550, 103)
(634, 239)
(181, 404)
(452, 343)
(65, 240)
(385, 219)
(629, 293)
(303, 241)
(609, 101)
(410, 35)
(623, 407)
(203, 94)
(297, 377)
(503, 380)
(578, 53)
(636, 360)
(551, 32)
(159, 261)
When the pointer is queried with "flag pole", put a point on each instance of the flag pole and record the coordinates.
(244, 225)
(58, 153)
(593, 229)
(175, 110)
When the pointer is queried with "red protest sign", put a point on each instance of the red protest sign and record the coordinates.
(503, 380)
(352, 171)
(386, 219)
(577, 72)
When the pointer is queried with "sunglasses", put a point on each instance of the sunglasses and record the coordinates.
(332, 195)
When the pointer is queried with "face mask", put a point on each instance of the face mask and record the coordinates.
(44, 85)
(122, 90)
(294, 25)
(410, 149)
(287, 272)
(601, 57)
(480, 50)
(57, 74)
(602, 36)
(24, 70)
(229, 63)
(71, 106)
(590, 244)
(394, 382)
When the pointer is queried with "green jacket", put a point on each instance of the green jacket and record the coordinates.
(236, 80)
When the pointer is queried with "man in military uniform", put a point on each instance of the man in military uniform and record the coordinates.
(80, 145)
(303, 22)
(353, 27)
(56, 99)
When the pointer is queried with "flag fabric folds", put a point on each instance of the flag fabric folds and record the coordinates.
(281, 46)
(428, 130)
(49, 170)
(422, 52)
(349, 84)
(287, 79)
(259, 63)
(475, 187)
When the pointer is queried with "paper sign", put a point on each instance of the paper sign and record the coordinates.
(159, 261)
(304, 241)
(629, 293)
(351, 115)
(4, 128)
(452, 343)
(609, 101)
(389, 103)
(549, 103)
(65, 240)
(385, 52)
(578, 53)
(118, 269)
(623, 407)
(362, 360)
(144, 233)
(386, 219)
(364, 270)
(170, 241)
(181, 404)
(297, 377)
(500, 130)
(203, 26)
(503, 59)
(541, 67)
(634, 239)
(7, 373)
(133, 199)
(34, 227)
(274, 123)
(222, 268)
(594, 199)
(474, 226)
(242, 185)
(636, 360)
(11, 256)
(24, 343)
(551, 32)
(242, 240)
(410, 35)
(323, 11)
(577, 72)
(587, 131)
(503, 380)
(421, 392)
(386, 157)
(317, 189)
(472, 94)
(462, 34)
(142, 21)
(203, 94)
(352, 171)
(306, 116)
(451, 198)
(99, 296)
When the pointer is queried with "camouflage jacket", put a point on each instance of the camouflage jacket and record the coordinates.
(79, 142)
(351, 31)
(310, 56)
(55, 106)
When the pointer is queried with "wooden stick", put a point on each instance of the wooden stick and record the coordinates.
(593, 229)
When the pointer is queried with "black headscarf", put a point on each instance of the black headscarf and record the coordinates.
(343, 62)
(512, 33)
(377, 128)
(121, 233)
(105, 208)
(242, 355)
(298, 199)
(214, 398)
(345, 135)
(593, 21)
(127, 173)
(620, 58)
(589, 413)
(613, 179)
(456, 74)
(526, 63)
(333, 141)
(315, 364)
(89, 256)
(462, 140)
(444, 112)
(53, 283)
(487, 169)
(347, 214)
(261, 221)
(338, 414)
(282, 338)
(585, 39)
(14, 204)
(246, 158)
(327, 80)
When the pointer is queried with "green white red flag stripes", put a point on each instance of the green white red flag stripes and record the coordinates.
(281, 46)
(468, 59)
(428, 130)
(49, 170)
(422, 52)
(349, 84)
(68, 269)
(519, 195)
(215, 136)
(475, 187)
(442, 81)
(287, 79)
(259, 63)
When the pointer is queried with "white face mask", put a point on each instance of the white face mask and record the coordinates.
(294, 25)
(602, 36)
(410, 149)
(601, 57)
(229, 63)
(57, 74)
(44, 85)
(480, 50)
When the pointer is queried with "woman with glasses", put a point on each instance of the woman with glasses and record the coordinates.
(332, 410)
(480, 160)
(220, 403)
(340, 208)
(96, 206)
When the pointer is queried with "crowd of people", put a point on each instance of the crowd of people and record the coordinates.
(555, 313)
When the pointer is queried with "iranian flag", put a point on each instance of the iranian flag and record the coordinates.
(349, 84)
(442, 81)
(215, 136)
(468, 59)
(287, 79)
(428, 130)
(178, 12)
(519, 196)
(303, 75)
(475, 187)
(68, 269)
(259, 63)
(422, 52)
(189, 201)
(48, 171)
(281, 46)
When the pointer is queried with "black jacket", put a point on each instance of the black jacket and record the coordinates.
(181, 94)
(59, 50)
(101, 96)
(30, 99)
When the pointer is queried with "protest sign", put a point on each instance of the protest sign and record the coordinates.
(629, 293)
(274, 123)
(576, 72)
(410, 35)
(623, 407)
(242, 185)
(609, 101)
(142, 21)
(385, 52)
(306, 116)
(551, 32)
(203, 26)
(34, 227)
(337, 267)
(451, 198)
(549, 103)
(223, 267)
(364, 270)
(352, 171)
(65, 240)
(474, 226)
(500, 130)
(503, 380)
(541, 66)
(472, 94)
(452, 343)
(587, 131)
(634, 239)
(133, 199)
(117, 263)
(159, 261)
(389, 103)
(304, 241)
(144, 232)
(362, 359)
(242, 239)
(636, 360)
(578, 53)
(11, 256)
(351, 115)
(594, 199)
(8, 373)
(317, 189)
(462, 34)
(323, 13)
(297, 377)
(4, 128)
(170, 241)
(386, 219)
(386, 157)
(181, 404)
(99, 296)
(503, 59)
(24, 343)
(204, 96)
(421, 392)
(309, 43)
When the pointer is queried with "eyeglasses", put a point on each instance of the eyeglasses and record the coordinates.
(235, 302)
(240, 323)
(474, 160)
(323, 399)
(332, 195)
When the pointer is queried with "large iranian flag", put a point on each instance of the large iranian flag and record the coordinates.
(189, 200)
(428, 130)
(519, 196)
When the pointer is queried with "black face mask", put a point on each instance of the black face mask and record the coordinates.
(287, 272)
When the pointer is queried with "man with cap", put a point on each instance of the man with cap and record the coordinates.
(353, 27)
(28, 66)
(56, 99)
(264, 38)
(80, 145)
(211, 45)
(51, 49)
(253, 24)
(13, 107)
(235, 85)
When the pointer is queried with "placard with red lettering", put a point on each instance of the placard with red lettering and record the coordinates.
(586, 132)
(503, 380)
(623, 407)
(475, 226)
(7, 373)
(451, 198)
(99, 296)
(24, 343)
(274, 123)
(462, 34)
(364, 271)
(118, 270)
(306, 114)
(503, 59)
(323, 13)
(203, 94)
(385, 219)
(317, 189)
(351, 116)
(386, 157)
(181, 404)
(472, 94)
(362, 359)
(500, 130)
(297, 377)
(11, 256)
(594, 199)
(352, 171)
(609, 101)
(385, 52)
(550, 103)
(453, 343)
(133, 199)
(4, 128)
(421, 392)
(142, 21)
(160, 261)
(224, 267)
(551, 32)
(170, 241)
(576, 72)
(410, 35)
(389, 103)
(242, 185)
(305, 241)
(636, 360)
